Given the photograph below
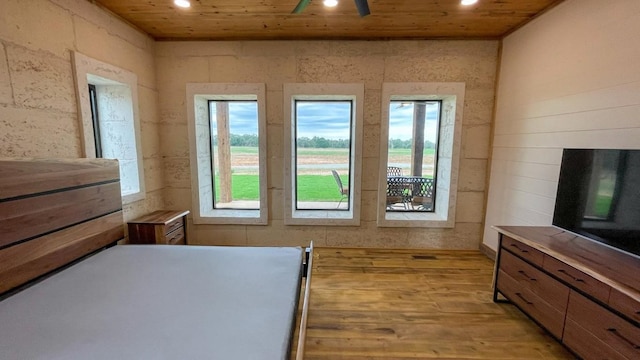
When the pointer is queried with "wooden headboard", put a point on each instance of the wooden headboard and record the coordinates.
(53, 212)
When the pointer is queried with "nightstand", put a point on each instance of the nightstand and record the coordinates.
(159, 227)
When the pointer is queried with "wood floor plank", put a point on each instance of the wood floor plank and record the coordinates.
(415, 304)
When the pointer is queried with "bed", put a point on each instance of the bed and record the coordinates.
(68, 293)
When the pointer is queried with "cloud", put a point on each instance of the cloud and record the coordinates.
(243, 117)
(330, 119)
(401, 120)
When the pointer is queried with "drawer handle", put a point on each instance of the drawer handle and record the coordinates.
(523, 299)
(615, 332)
(569, 275)
(521, 250)
(527, 276)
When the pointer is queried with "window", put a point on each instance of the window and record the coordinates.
(322, 153)
(420, 145)
(323, 136)
(227, 127)
(235, 160)
(412, 155)
(110, 125)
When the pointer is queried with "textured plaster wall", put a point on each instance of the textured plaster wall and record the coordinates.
(372, 63)
(569, 79)
(38, 109)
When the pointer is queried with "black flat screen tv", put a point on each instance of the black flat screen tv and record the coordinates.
(599, 196)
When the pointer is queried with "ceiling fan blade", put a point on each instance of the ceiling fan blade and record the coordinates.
(363, 7)
(300, 7)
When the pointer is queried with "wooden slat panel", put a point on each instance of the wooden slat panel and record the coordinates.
(32, 216)
(26, 261)
(20, 177)
(272, 19)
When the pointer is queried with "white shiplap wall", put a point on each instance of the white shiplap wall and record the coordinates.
(569, 79)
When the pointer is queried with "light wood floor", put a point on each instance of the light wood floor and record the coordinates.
(381, 304)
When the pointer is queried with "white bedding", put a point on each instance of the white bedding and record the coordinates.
(158, 302)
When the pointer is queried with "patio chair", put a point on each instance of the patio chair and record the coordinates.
(422, 198)
(394, 171)
(397, 192)
(344, 191)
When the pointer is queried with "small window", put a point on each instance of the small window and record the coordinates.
(412, 155)
(227, 133)
(420, 147)
(110, 124)
(323, 133)
(235, 161)
(323, 154)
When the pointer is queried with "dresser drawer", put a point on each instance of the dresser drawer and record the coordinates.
(586, 345)
(605, 325)
(171, 226)
(521, 250)
(625, 305)
(549, 317)
(577, 278)
(176, 237)
(551, 290)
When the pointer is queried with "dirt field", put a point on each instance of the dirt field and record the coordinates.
(319, 163)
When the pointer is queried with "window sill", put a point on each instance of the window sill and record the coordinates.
(133, 197)
(400, 219)
(322, 217)
(231, 217)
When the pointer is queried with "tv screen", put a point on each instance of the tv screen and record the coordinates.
(599, 196)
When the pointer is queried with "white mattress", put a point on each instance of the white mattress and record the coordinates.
(158, 302)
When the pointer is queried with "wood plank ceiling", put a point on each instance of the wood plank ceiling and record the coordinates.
(272, 19)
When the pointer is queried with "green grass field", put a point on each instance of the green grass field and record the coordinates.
(310, 187)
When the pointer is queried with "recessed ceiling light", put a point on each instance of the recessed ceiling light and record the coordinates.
(330, 3)
(468, 2)
(182, 3)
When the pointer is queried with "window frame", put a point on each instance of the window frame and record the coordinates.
(448, 152)
(435, 167)
(353, 92)
(295, 150)
(213, 164)
(86, 68)
(95, 116)
(201, 156)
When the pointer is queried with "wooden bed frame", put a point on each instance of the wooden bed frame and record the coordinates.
(55, 212)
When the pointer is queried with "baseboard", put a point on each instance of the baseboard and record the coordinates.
(489, 252)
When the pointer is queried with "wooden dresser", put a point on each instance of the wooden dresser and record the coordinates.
(584, 293)
(159, 227)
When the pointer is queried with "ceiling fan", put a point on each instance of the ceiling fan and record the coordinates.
(362, 5)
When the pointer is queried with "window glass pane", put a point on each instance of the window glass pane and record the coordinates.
(322, 154)
(412, 155)
(234, 136)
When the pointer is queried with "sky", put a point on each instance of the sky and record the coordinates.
(330, 119)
